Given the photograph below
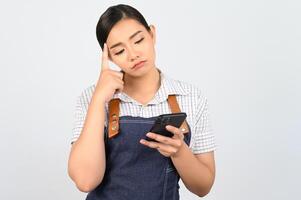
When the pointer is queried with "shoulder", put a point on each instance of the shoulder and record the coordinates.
(190, 96)
(88, 89)
(85, 95)
(193, 99)
(190, 90)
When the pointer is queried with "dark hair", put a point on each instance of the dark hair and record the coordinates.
(113, 15)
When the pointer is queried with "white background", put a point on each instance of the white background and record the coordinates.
(244, 55)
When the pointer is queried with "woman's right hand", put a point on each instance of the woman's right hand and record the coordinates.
(110, 81)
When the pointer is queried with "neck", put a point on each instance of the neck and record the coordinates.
(142, 88)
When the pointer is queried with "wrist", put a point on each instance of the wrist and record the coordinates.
(99, 97)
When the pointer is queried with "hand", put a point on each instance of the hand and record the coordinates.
(169, 147)
(110, 81)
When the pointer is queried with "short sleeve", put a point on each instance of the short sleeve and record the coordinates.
(80, 112)
(78, 121)
(204, 139)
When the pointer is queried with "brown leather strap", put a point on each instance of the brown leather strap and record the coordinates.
(113, 117)
(114, 114)
(174, 106)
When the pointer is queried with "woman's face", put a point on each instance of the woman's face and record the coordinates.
(130, 43)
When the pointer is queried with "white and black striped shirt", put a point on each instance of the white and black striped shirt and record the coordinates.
(190, 98)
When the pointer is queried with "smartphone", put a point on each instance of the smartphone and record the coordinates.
(174, 119)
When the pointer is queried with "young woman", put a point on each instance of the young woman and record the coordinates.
(110, 156)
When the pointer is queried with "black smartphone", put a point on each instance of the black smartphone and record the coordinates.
(174, 119)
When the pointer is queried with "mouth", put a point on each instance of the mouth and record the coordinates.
(139, 64)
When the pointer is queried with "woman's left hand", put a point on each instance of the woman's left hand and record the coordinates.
(167, 146)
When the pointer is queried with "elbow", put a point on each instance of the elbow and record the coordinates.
(200, 192)
(85, 183)
(203, 194)
(84, 187)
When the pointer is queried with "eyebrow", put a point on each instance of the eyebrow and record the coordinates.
(119, 43)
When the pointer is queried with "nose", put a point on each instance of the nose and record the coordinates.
(132, 54)
(132, 59)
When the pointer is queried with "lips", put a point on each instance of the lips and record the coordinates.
(137, 64)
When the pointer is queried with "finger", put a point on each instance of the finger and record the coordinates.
(119, 80)
(118, 74)
(172, 129)
(120, 84)
(164, 153)
(176, 131)
(167, 148)
(119, 87)
(154, 145)
(164, 140)
(159, 146)
(104, 58)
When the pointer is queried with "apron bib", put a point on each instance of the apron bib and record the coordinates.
(133, 170)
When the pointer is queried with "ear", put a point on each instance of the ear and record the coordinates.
(153, 33)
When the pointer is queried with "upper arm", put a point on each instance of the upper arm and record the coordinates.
(80, 113)
(203, 136)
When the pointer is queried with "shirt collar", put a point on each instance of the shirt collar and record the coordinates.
(168, 86)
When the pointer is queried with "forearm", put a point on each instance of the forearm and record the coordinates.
(195, 175)
(87, 160)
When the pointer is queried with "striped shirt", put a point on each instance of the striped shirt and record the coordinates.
(190, 98)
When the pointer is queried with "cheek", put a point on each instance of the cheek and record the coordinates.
(120, 60)
(150, 49)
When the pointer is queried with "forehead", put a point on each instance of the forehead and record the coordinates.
(123, 30)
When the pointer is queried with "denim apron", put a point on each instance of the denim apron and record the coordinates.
(135, 171)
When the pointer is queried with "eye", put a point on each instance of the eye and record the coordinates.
(139, 41)
(120, 52)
